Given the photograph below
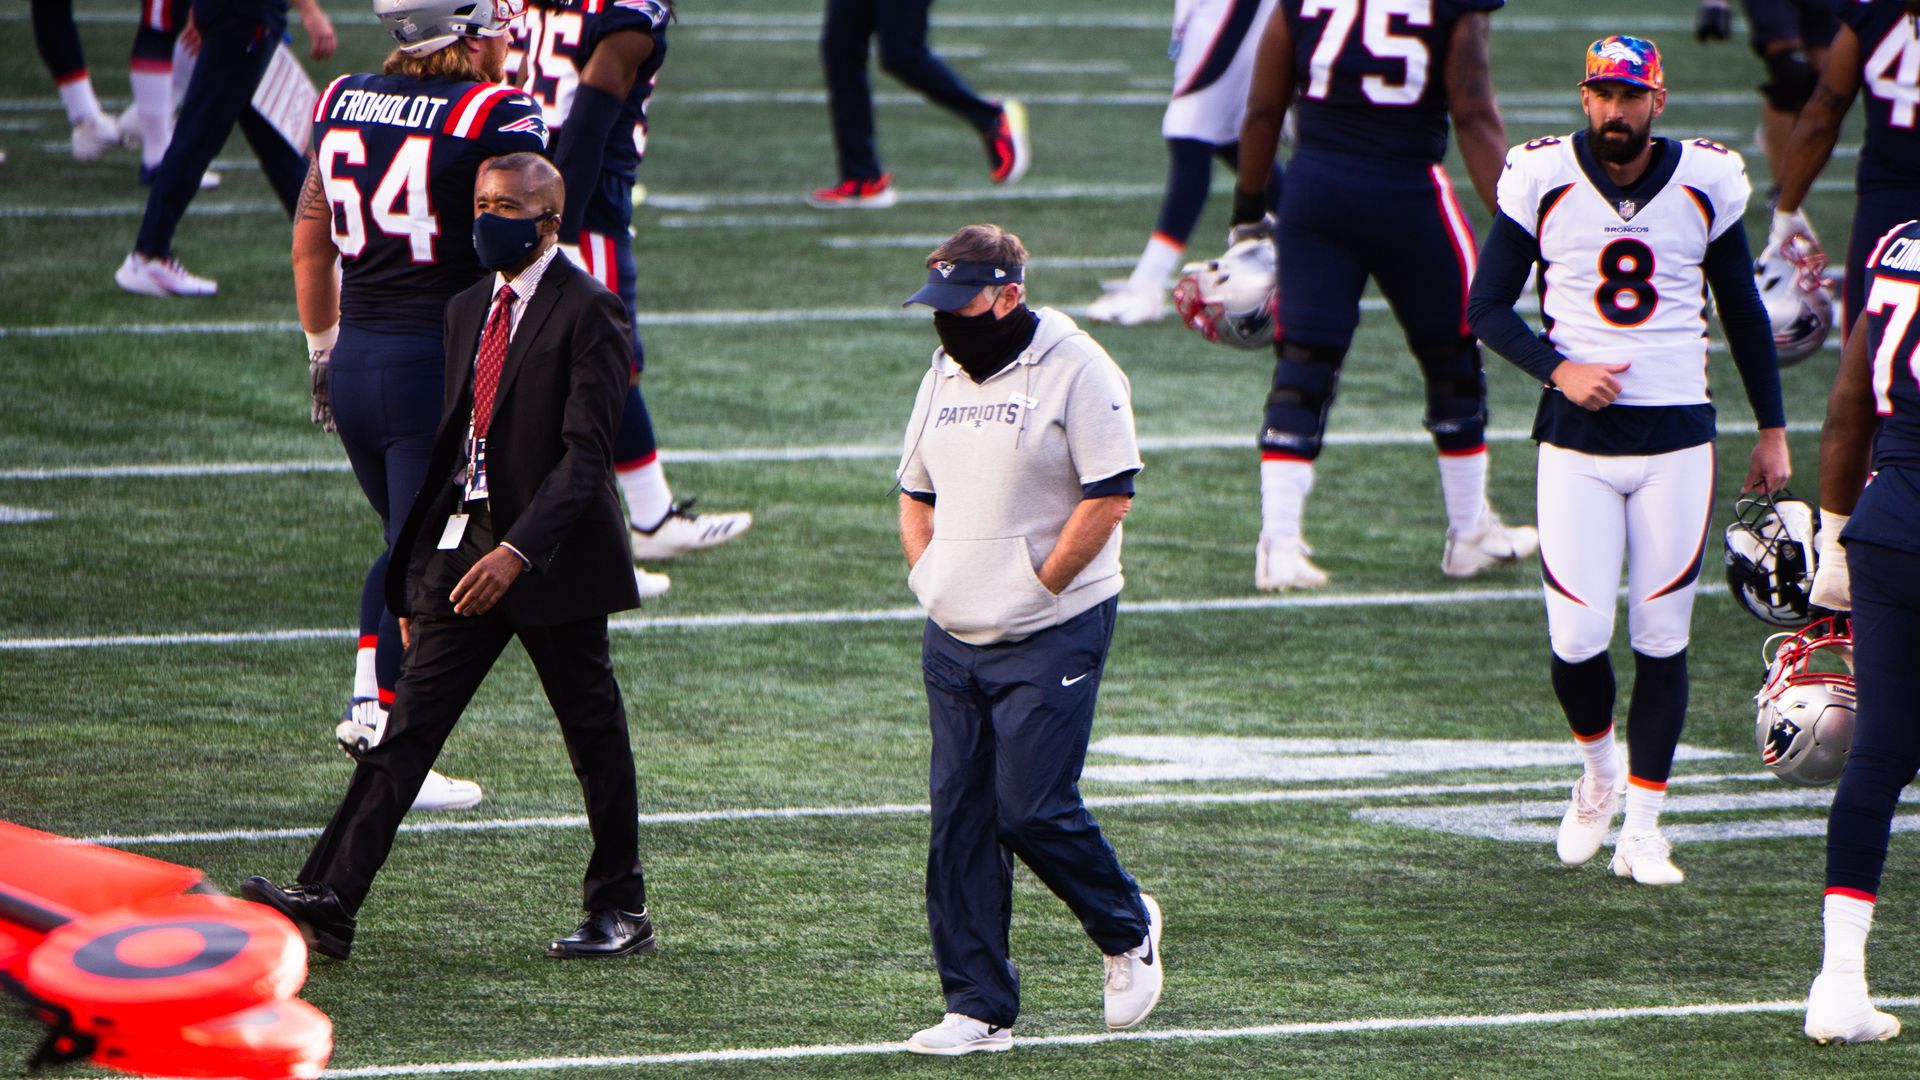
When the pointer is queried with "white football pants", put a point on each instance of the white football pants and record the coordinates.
(1653, 509)
(1210, 101)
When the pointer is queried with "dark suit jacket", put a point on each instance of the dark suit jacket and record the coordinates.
(549, 453)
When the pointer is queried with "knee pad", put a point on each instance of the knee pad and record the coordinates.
(1790, 80)
(1579, 638)
(1305, 381)
(1456, 394)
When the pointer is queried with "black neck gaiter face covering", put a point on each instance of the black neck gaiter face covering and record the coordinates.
(982, 344)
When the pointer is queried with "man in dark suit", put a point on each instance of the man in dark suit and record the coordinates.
(518, 533)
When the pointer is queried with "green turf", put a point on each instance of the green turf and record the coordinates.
(811, 931)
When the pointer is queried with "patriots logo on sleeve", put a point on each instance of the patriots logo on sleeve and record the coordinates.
(533, 125)
(652, 9)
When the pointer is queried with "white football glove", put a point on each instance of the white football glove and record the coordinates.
(1831, 588)
(319, 372)
(1787, 225)
(1254, 230)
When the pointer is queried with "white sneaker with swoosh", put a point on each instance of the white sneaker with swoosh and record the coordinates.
(958, 1034)
(1134, 977)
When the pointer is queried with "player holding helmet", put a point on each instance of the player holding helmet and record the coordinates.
(1629, 229)
(1870, 565)
(389, 194)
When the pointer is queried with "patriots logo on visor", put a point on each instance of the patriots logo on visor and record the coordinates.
(945, 268)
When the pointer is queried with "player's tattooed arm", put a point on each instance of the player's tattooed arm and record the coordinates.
(1818, 126)
(1267, 101)
(316, 258)
(1481, 134)
(313, 197)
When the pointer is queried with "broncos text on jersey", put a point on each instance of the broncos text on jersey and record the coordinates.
(1623, 278)
(397, 157)
(1372, 74)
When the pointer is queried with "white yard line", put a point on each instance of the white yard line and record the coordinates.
(1028, 1044)
(789, 813)
(850, 452)
(733, 620)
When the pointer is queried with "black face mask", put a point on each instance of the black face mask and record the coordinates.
(982, 344)
(503, 243)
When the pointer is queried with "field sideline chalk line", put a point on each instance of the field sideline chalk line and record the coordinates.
(790, 813)
(1306, 1027)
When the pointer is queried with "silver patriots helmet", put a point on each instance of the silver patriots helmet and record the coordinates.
(1805, 724)
(1770, 557)
(1798, 296)
(424, 26)
(1233, 299)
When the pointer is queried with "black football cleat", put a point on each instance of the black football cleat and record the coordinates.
(607, 932)
(315, 909)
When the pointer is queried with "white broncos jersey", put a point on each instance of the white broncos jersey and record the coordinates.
(1622, 278)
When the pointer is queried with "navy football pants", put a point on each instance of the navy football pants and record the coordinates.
(901, 26)
(236, 42)
(1875, 213)
(609, 259)
(1886, 730)
(1009, 741)
(386, 391)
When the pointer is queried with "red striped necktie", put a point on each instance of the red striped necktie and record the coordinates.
(493, 357)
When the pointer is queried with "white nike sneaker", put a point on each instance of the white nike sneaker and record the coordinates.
(1135, 976)
(683, 531)
(1123, 305)
(1496, 542)
(161, 277)
(1839, 1011)
(1588, 818)
(441, 792)
(360, 729)
(651, 584)
(1647, 858)
(94, 136)
(957, 1034)
(1280, 563)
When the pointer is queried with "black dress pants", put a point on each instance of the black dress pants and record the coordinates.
(449, 657)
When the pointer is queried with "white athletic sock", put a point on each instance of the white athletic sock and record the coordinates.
(1848, 919)
(1283, 495)
(648, 497)
(183, 63)
(1602, 765)
(153, 104)
(1643, 807)
(365, 683)
(77, 95)
(1156, 264)
(1463, 485)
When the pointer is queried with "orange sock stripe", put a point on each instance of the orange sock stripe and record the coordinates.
(1579, 738)
(1649, 785)
(1177, 245)
(1855, 894)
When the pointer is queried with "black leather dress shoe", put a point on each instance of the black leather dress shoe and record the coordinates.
(607, 932)
(315, 909)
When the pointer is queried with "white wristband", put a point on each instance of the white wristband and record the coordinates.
(323, 340)
(1830, 526)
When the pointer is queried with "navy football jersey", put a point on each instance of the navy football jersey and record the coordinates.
(552, 45)
(398, 156)
(1889, 510)
(1371, 74)
(1890, 86)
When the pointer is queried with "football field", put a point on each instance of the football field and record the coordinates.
(1343, 800)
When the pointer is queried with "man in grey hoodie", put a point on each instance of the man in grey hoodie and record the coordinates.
(1019, 464)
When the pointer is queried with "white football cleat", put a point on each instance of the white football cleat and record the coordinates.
(361, 728)
(1134, 977)
(94, 136)
(441, 792)
(1839, 1011)
(651, 584)
(1588, 818)
(1280, 563)
(1497, 542)
(161, 277)
(1647, 858)
(683, 531)
(958, 1034)
(127, 126)
(1123, 305)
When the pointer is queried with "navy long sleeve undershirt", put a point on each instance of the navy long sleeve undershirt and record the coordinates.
(1508, 259)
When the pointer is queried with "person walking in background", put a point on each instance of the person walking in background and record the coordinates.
(901, 26)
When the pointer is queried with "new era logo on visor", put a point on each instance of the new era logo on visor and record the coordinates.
(999, 273)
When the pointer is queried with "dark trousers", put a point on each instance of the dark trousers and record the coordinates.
(1886, 728)
(236, 43)
(901, 26)
(1010, 728)
(385, 391)
(451, 654)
